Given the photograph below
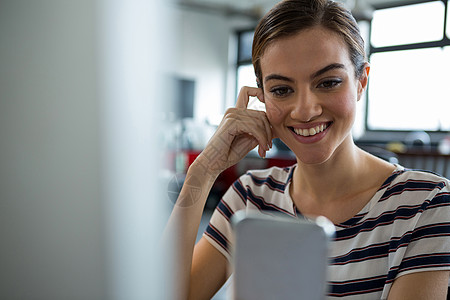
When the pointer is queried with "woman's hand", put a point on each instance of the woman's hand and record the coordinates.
(240, 131)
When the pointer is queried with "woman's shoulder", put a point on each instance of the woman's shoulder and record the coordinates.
(265, 190)
(402, 174)
(410, 184)
(280, 175)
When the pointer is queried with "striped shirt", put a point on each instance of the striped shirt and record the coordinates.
(404, 228)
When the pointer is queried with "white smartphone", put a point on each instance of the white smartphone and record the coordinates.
(279, 257)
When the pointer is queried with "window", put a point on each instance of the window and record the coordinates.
(410, 57)
(408, 24)
(409, 90)
(245, 73)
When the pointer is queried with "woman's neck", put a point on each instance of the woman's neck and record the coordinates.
(332, 179)
(340, 187)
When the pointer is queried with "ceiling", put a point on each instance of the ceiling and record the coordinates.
(256, 8)
(268, 3)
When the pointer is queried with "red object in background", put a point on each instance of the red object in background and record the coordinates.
(278, 161)
(190, 157)
(226, 178)
(180, 162)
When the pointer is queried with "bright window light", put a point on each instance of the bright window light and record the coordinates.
(408, 24)
(246, 77)
(448, 21)
(409, 90)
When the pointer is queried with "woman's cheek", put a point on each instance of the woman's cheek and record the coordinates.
(344, 106)
(274, 112)
(275, 115)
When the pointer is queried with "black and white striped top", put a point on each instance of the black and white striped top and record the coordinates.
(404, 228)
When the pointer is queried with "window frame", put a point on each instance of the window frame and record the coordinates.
(384, 135)
(239, 60)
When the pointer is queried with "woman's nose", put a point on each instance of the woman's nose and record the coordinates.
(306, 107)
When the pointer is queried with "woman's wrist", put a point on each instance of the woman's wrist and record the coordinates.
(203, 171)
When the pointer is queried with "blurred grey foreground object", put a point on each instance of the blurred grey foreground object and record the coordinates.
(279, 257)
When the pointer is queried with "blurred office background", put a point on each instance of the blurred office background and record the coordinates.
(105, 103)
(403, 117)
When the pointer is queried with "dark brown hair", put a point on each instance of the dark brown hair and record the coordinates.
(289, 17)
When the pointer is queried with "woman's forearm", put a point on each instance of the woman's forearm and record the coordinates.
(240, 131)
(182, 228)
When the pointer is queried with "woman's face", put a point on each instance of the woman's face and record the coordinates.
(310, 92)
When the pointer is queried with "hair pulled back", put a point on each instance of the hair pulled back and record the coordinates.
(289, 17)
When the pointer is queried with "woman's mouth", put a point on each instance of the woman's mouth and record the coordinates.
(310, 131)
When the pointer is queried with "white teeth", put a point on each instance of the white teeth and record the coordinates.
(304, 132)
(310, 131)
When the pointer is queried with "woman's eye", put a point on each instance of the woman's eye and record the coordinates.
(328, 84)
(281, 91)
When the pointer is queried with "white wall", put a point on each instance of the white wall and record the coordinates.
(204, 39)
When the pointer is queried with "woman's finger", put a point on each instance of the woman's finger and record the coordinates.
(263, 122)
(242, 103)
(256, 129)
(268, 130)
(247, 92)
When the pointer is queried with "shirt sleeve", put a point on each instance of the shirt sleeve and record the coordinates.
(428, 246)
(219, 231)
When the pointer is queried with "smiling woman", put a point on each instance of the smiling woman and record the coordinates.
(312, 82)
(391, 224)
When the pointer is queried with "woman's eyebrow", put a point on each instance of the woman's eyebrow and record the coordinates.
(277, 77)
(326, 69)
(314, 75)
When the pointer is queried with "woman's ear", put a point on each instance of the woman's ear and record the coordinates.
(363, 80)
